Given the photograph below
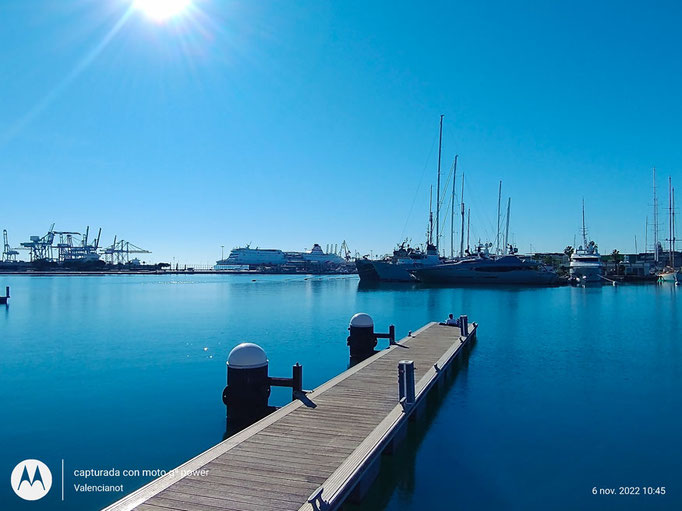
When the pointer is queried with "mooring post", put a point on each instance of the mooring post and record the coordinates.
(362, 339)
(7, 292)
(297, 381)
(406, 389)
(464, 325)
(248, 388)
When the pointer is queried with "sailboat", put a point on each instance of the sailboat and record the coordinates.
(670, 273)
(585, 266)
(504, 267)
(397, 267)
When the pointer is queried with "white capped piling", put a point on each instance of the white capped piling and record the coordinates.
(248, 389)
(363, 339)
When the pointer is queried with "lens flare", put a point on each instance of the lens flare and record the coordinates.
(162, 10)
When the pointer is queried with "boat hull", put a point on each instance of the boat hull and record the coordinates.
(670, 276)
(586, 274)
(383, 271)
(484, 274)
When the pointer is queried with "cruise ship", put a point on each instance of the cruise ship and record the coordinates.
(251, 258)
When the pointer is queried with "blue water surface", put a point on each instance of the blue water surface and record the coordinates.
(566, 389)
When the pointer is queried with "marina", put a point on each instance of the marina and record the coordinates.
(354, 417)
(162, 343)
(340, 256)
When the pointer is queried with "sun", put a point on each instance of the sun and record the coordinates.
(162, 10)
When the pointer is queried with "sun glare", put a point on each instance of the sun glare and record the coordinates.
(162, 10)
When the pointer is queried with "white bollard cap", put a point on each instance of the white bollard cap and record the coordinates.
(247, 355)
(362, 320)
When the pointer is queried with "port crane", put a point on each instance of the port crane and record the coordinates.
(40, 248)
(119, 252)
(9, 255)
(70, 248)
(345, 251)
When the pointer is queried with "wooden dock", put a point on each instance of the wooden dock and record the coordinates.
(311, 456)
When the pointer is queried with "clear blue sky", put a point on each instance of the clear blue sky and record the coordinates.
(288, 123)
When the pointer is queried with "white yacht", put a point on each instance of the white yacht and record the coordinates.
(586, 266)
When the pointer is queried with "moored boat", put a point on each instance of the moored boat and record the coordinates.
(670, 273)
(486, 270)
(585, 266)
(397, 267)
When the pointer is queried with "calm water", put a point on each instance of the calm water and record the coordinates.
(565, 390)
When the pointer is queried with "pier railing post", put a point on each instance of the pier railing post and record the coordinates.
(406, 388)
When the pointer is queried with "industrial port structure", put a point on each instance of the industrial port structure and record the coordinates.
(71, 249)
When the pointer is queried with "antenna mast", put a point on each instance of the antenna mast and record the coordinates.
(440, 146)
(452, 213)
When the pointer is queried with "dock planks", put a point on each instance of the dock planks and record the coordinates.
(296, 452)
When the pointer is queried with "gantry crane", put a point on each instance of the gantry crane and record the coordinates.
(9, 255)
(40, 248)
(119, 252)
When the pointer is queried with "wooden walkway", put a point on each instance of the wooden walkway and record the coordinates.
(305, 458)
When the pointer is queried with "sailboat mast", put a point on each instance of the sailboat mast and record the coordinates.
(646, 235)
(655, 219)
(468, 226)
(584, 228)
(461, 242)
(429, 238)
(670, 220)
(506, 230)
(499, 203)
(673, 229)
(440, 147)
(452, 212)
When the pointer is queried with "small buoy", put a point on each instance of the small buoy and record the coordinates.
(205, 349)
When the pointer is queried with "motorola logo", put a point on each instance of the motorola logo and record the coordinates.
(31, 479)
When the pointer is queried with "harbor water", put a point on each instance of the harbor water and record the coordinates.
(566, 391)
